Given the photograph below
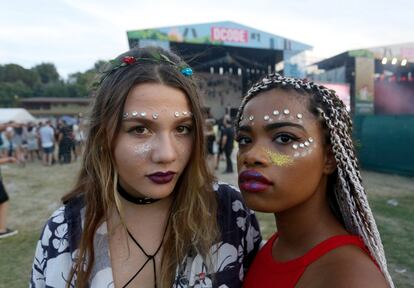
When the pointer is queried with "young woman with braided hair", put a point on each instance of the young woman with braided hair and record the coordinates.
(296, 159)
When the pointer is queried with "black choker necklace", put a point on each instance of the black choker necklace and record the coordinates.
(133, 199)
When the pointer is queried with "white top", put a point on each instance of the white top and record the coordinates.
(47, 136)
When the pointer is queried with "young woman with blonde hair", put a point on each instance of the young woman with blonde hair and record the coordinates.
(145, 211)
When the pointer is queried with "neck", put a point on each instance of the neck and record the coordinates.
(302, 227)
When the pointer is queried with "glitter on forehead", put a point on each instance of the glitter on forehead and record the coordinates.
(278, 159)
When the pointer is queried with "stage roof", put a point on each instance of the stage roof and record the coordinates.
(225, 33)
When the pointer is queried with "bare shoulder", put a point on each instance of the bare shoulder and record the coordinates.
(346, 266)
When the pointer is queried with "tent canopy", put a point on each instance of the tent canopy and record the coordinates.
(18, 115)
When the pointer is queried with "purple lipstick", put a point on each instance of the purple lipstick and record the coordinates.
(161, 177)
(253, 182)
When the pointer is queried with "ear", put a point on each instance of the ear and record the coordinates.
(330, 162)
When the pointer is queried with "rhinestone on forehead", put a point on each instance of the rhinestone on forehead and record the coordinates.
(134, 114)
(275, 112)
(143, 114)
(155, 116)
(299, 116)
(251, 118)
(286, 111)
(266, 117)
(177, 114)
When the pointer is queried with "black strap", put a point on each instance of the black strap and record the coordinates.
(149, 257)
(136, 200)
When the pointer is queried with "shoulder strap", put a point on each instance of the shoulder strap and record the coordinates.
(332, 243)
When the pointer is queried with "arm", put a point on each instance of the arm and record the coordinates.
(5, 160)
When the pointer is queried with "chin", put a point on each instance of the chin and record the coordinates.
(259, 204)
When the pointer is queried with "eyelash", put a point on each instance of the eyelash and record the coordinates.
(240, 139)
(134, 129)
(290, 136)
(189, 129)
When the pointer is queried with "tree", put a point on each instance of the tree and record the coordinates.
(12, 73)
(47, 72)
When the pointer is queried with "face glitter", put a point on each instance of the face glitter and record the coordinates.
(142, 150)
(278, 159)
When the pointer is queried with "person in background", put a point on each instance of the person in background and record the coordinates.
(210, 139)
(227, 143)
(4, 198)
(47, 142)
(32, 142)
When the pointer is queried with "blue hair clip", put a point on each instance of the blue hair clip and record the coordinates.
(187, 71)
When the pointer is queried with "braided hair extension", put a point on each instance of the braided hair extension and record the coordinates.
(348, 192)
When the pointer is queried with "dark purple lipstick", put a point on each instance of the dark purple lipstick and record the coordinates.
(161, 177)
(252, 181)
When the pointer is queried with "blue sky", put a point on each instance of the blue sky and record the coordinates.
(74, 34)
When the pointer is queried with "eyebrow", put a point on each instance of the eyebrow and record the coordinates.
(272, 126)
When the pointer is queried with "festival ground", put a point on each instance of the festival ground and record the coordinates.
(35, 192)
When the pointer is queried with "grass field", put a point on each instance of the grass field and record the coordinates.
(35, 192)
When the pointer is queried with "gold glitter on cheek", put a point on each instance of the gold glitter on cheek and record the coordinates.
(279, 159)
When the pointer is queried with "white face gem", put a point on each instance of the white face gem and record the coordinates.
(295, 146)
(286, 111)
(185, 113)
(176, 114)
(251, 118)
(143, 114)
(310, 139)
(300, 116)
(307, 143)
(301, 145)
(275, 112)
(297, 86)
(125, 115)
(155, 116)
(134, 114)
(266, 117)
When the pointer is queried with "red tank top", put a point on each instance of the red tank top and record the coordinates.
(267, 272)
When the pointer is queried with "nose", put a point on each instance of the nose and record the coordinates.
(254, 157)
(165, 149)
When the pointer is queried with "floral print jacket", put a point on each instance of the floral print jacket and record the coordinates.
(232, 255)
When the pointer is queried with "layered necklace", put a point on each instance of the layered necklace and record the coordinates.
(150, 257)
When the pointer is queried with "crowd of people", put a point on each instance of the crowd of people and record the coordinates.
(43, 141)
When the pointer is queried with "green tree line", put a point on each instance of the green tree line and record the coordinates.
(43, 80)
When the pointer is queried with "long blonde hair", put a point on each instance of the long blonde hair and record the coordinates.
(193, 223)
